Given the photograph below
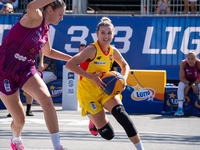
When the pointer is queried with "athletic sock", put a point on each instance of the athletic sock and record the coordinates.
(139, 146)
(16, 139)
(55, 138)
(28, 107)
(180, 103)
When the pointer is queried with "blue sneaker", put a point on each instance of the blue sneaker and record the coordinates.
(179, 112)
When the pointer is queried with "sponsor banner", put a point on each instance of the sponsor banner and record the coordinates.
(22, 96)
(71, 84)
(69, 96)
(171, 101)
(196, 105)
(152, 43)
(144, 92)
(55, 89)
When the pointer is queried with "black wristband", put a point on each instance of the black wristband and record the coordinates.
(190, 83)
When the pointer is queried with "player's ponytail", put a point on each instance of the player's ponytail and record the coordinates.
(55, 4)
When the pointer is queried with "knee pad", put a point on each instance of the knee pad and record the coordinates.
(122, 117)
(107, 132)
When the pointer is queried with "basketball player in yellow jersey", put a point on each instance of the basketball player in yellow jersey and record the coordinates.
(94, 60)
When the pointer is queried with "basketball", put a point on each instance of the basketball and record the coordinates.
(115, 82)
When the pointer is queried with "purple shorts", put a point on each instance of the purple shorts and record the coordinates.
(9, 83)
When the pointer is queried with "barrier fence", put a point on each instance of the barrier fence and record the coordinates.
(23, 3)
(146, 6)
(176, 6)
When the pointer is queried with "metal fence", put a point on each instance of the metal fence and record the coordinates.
(147, 6)
(176, 7)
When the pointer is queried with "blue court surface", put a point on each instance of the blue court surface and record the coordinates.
(156, 131)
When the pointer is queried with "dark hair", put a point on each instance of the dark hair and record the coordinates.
(81, 45)
(55, 4)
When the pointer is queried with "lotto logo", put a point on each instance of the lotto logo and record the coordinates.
(70, 75)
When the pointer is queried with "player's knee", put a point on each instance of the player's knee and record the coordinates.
(181, 85)
(122, 117)
(107, 132)
(19, 122)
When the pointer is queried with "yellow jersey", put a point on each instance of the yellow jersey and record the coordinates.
(87, 89)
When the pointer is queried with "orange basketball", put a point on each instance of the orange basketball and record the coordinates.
(115, 82)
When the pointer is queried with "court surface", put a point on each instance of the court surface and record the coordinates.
(156, 131)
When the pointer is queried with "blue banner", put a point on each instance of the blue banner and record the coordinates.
(149, 43)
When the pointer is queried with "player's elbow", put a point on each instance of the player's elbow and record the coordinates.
(30, 6)
(68, 65)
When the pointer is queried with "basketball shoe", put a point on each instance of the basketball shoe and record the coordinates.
(179, 112)
(93, 129)
(17, 145)
(60, 148)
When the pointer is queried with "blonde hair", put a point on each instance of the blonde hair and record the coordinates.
(105, 21)
(192, 52)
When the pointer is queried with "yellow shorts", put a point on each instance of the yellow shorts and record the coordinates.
(93, 107)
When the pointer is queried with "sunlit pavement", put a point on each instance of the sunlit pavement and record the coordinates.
(156, 131)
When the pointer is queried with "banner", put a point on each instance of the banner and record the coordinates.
(55, 89)
(149, 43)
(171, 101)
(145, 91)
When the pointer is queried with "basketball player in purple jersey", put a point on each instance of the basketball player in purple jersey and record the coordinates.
(17, 66)
(189, 78)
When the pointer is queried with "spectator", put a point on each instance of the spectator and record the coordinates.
(189, 79)
(163, 7)
(15, 4)
(6, 1)
(7, 8)
(81, 47)
(49, 70)
(192, 6)
(2, 2)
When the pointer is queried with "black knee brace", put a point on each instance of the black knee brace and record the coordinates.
(107, 132)
(122, 117)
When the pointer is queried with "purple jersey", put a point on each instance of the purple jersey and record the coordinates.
(20, 46)
(17, 53)
(191, 73)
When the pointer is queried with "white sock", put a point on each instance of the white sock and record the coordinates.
(55, 138)
(139, 146)
(180, 104)
(16, 139)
